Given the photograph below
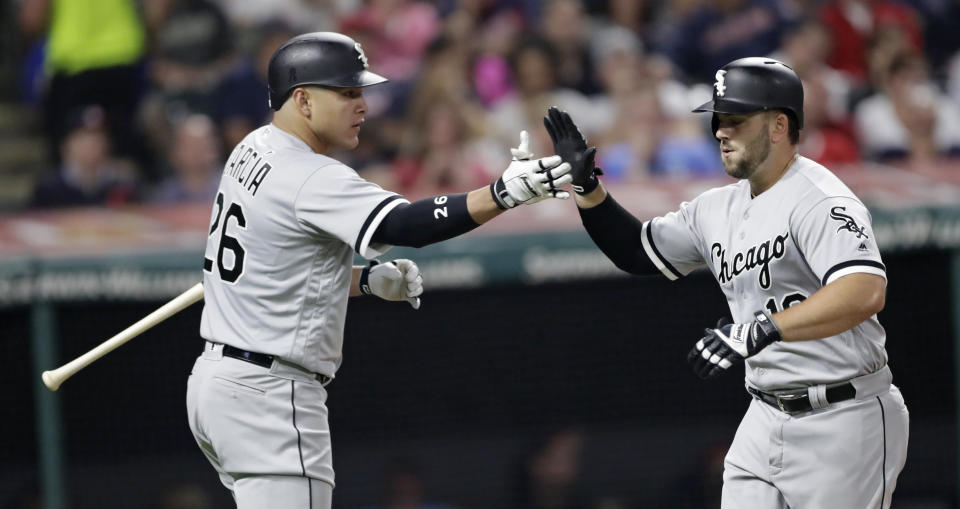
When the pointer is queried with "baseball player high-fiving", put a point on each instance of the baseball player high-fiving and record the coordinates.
(278, 270)
(794, 253)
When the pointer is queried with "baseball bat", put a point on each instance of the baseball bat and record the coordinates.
(53, 379)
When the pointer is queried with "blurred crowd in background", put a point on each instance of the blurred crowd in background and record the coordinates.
(141, 101)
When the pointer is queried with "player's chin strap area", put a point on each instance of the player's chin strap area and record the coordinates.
(798, 401)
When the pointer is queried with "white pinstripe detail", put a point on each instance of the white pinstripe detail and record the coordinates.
(647, 248)
(854, 269)
(365, 250)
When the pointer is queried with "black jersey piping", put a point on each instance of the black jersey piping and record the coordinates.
(293, 405)
(656, 251)
(366, 224)
(883, 466)
(851, 263)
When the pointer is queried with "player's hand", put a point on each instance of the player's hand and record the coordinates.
(395, 280)
(571, 146)
(729, 344)
(529, 180)
(522, 152)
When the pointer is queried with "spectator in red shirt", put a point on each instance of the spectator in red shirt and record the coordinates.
(853, 23)
(824, 139)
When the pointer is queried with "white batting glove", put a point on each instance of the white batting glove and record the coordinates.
(395, 280)
(529, 180)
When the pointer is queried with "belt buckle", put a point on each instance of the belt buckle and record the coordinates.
(787, 397)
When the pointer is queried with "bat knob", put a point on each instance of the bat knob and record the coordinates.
(51, 381)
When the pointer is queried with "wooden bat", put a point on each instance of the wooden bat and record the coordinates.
(53, 379)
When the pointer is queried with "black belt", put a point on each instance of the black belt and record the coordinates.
(797, 403)
(261, 359)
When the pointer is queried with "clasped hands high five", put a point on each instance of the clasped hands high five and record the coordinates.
(528, 180)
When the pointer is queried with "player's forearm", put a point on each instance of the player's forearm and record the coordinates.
(481, 206)
(427, 221)
(617, 233)
(835, 308)
(355, 282)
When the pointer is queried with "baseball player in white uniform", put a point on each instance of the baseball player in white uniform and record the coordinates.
(793, 251)
(278, 271)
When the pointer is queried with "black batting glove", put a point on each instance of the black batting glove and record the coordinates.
(729, 344)
(571, 146)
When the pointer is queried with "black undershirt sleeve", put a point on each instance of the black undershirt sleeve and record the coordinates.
(618, 234)
(425, 221)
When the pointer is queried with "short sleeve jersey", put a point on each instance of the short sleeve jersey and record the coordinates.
(773, 251)
(279, 255)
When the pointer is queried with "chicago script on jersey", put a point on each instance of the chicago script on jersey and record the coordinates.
(760, 255)
(245, 166)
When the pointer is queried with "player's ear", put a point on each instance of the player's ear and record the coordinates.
(301, 100)
(779, 126)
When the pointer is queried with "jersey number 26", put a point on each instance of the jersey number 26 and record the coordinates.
(227, 242)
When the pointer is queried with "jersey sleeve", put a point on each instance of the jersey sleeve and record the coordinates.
(335, 200)
(672, 242)
(836, 238)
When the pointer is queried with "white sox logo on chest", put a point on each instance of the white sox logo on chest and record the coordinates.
(757, 256)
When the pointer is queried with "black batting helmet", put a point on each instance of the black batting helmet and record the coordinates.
(317, 58)
(756, 84)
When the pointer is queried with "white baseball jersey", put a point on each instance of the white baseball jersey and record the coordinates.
(279, 254)
(773, 251)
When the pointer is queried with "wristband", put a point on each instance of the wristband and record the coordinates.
(590, 184)
(767, 325)
(364, 278)
(500, 195)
